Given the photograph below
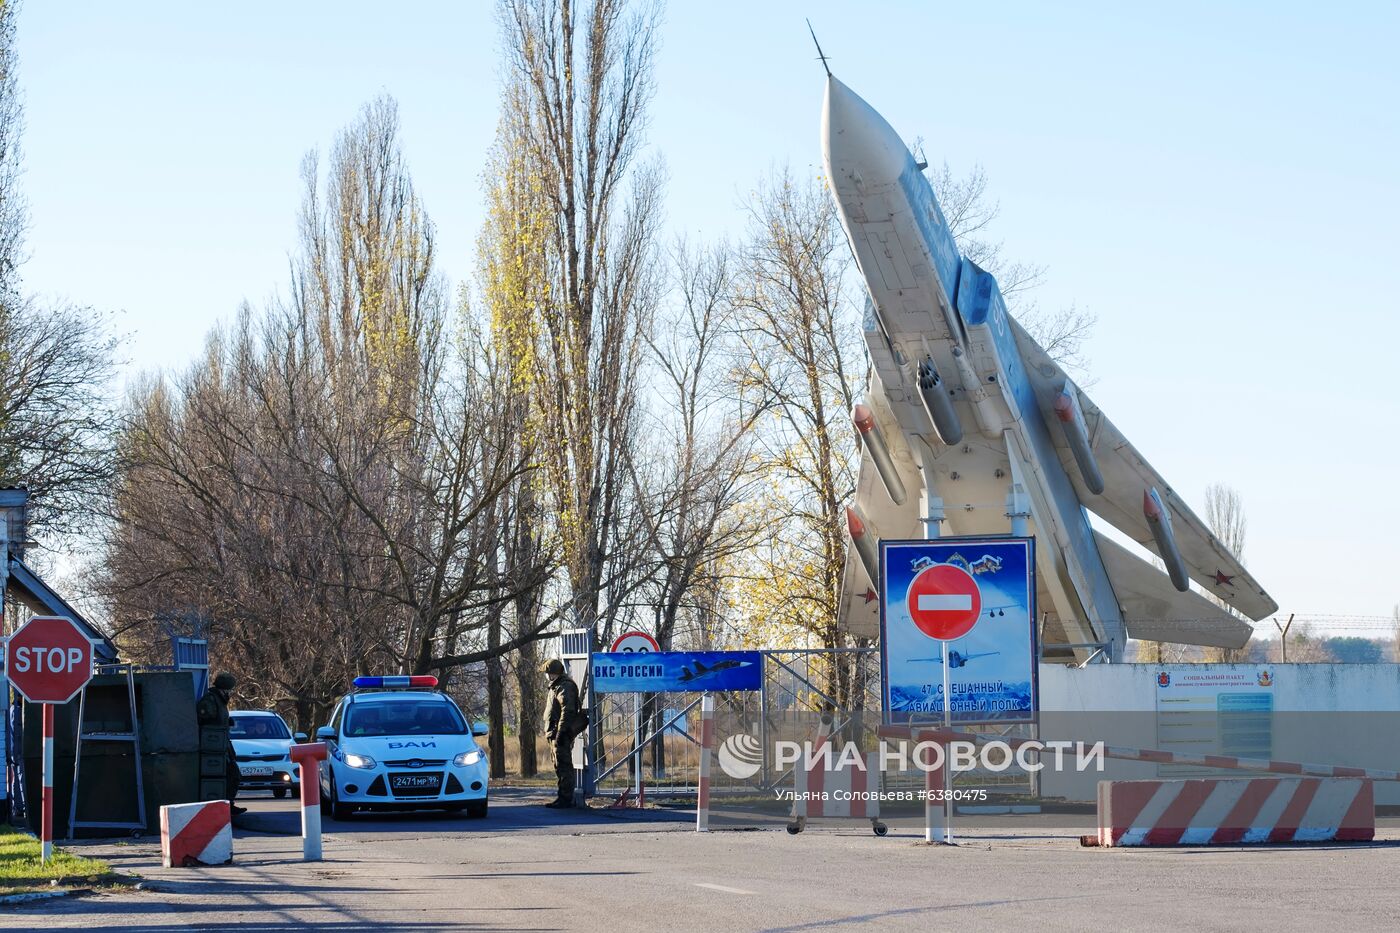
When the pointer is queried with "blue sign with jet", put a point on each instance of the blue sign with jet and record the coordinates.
(676, 671)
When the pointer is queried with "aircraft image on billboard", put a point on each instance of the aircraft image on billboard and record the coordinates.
(701, 671)
(957, 659)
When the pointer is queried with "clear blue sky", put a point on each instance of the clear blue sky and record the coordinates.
(1217, 182)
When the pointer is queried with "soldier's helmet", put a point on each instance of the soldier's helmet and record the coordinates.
(225, 681)
(553, 667)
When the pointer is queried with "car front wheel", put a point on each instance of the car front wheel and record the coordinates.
(337, 810)
(279, 792)
(476, 809)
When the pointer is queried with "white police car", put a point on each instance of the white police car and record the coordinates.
(395, 743)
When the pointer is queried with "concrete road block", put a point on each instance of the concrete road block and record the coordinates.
(1235, 811)
(196, 834)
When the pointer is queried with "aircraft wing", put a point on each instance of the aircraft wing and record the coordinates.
(859, 608)
(1157, 611)
(1126, 476)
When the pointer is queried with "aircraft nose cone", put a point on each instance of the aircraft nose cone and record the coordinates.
(858, 146)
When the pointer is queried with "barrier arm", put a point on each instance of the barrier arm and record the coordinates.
(1264, 765)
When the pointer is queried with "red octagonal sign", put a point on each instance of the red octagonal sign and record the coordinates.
(49, 659)
(944, 601)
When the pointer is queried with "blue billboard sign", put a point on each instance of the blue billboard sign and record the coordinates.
(676, 671)
(973, 598)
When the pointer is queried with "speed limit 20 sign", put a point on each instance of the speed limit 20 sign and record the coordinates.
(634, 643)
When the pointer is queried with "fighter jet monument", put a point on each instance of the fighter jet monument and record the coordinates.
(969, 427)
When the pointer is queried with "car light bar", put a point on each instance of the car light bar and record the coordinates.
(401, 680)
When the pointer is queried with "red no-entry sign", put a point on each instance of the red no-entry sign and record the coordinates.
(944, 601)
(49, 659)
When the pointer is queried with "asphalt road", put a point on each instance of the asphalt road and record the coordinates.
(528, 868)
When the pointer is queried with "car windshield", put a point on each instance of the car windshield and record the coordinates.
(404, 717)
(257, 727)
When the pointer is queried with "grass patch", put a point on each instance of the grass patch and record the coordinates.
(20, 869)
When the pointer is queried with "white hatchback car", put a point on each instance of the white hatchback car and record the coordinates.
(395, 745)
(260, 741)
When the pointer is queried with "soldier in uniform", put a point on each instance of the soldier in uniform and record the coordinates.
(213, 711)
(561, 728)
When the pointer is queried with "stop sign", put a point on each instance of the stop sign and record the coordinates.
(49, 659)
(944, 601)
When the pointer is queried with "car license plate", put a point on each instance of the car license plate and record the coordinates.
(255, 770)
(417, 783)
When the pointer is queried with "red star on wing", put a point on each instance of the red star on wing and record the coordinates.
(870, 596)
(1222, 579)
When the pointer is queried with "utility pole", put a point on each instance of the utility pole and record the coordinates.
(1283, 637)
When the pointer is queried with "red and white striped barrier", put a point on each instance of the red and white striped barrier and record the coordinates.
(707, 744)
(1235, 811)
(46, 792)
(309, 756)
(824, 790)
(196, 834)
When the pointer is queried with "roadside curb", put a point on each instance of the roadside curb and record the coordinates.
(91, 885)
(26, 897)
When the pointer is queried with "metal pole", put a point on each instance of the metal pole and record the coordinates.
(46, 816)
(1018, 510)
(707, 741)
(763, 714)
(947, 769)
(311, 810)
(933, 503)
(637, 746)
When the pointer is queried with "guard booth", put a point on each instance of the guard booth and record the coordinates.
(118, 790)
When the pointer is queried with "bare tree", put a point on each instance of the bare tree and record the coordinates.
(1305, 646)
(13, 211)
(1395, 633)
(585, 74)
(56, 363)
(330, 473)
(801, 353)
(1226, 517)
(701, 449)
(56, 415)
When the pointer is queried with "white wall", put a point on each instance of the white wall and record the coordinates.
(1331, 714)
(1297, 687)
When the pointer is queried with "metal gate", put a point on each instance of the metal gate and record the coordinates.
(649, 744)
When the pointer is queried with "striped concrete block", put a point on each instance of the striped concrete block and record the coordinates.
(823, 790)
(196, 834)
(1235, 811)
